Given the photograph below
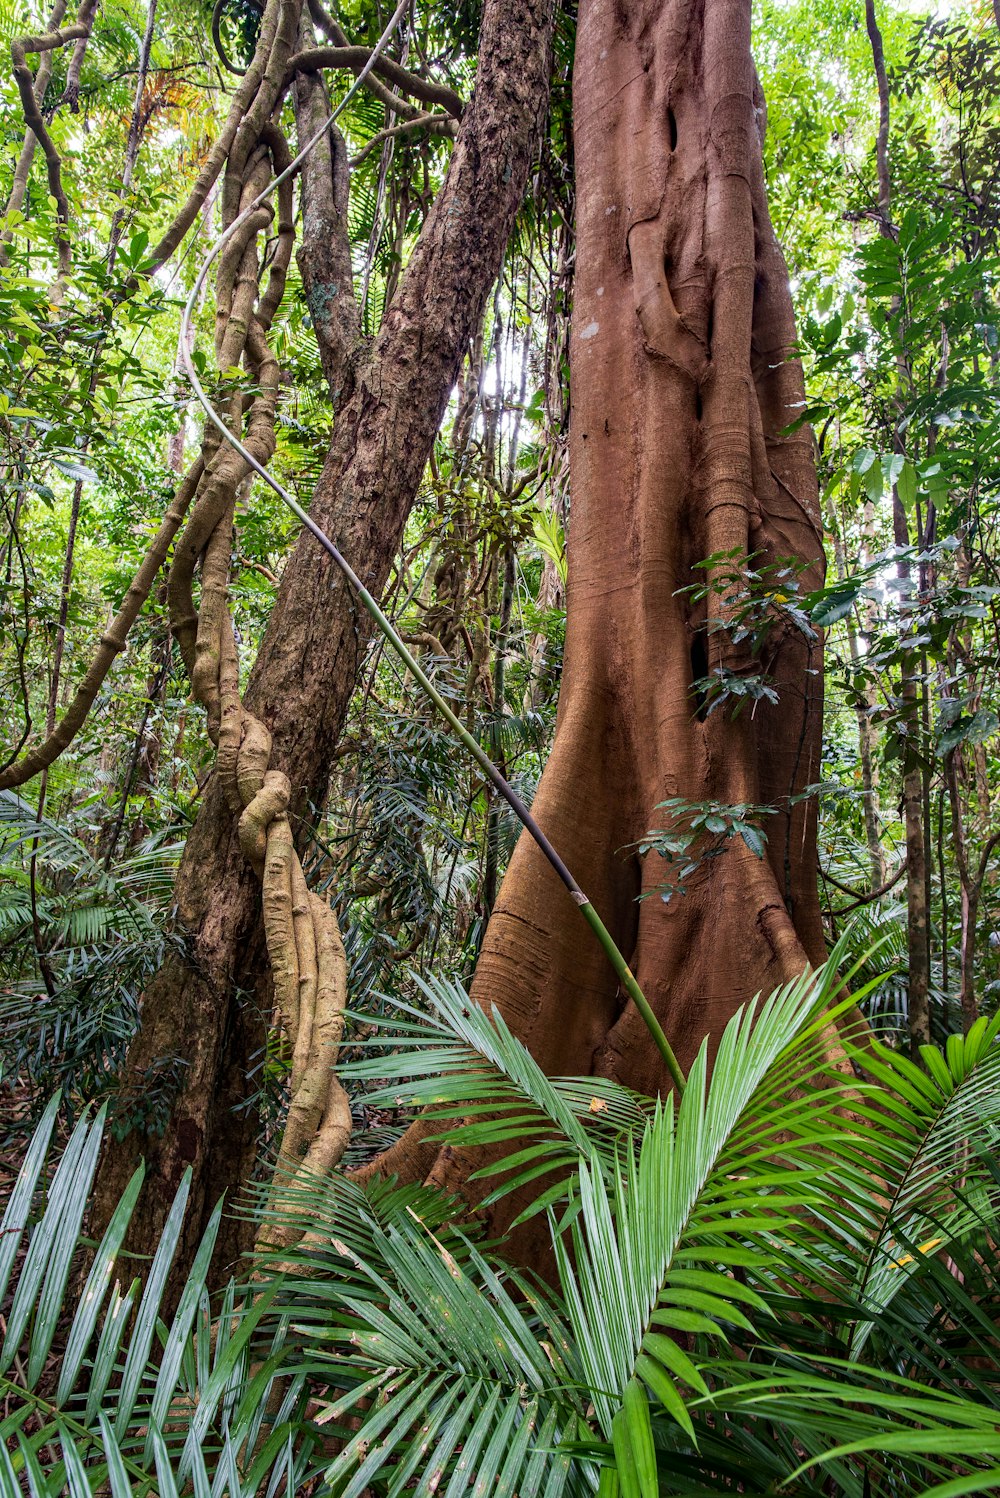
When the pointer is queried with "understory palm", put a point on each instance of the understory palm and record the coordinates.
(784, 1283)
(79, 937)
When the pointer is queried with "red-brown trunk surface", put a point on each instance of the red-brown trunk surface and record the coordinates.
(683, 383)
(204, 1015)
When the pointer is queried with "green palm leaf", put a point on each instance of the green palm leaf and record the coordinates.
(93, 1383)
(459, 1364)
(468, 1071)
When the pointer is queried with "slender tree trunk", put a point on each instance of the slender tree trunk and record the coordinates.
(971, 881)
(493, 823)
(683, 385)
(914, 779)
(209, 1010)
(866, 744)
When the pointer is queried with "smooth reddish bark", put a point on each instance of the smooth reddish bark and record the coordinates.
(683, 383)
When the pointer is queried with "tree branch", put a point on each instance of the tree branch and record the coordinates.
(343, 55)
(439, 124)
(875, 894)
(23, 77)
(324, 255)
(22, 171)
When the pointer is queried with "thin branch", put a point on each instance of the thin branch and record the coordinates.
(991, 844)
(440, 124)
(23, 77)
(875, 894)
(342, 55)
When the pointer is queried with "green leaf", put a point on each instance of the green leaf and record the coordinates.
(665, 1350)
(47, 1244)
(148, 1312)
(665, 1391)
(96, 1287)
(15, 1217)
(754, 838)
(834, 603)
(138, 245)
(907, 485)
(968, 730)
(73, 469)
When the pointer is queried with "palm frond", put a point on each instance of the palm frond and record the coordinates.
(915, 1179)
(462, 1368)
(714, 1263)
(623, 1281)
(765, 1173)
(470, 1074)
(100, 1387)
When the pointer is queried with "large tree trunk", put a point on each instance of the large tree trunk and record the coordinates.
(683, 383)
(209, 1007)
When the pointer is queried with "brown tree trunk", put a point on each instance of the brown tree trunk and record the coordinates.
(915, 783)
(683, 384)
(209, 1010)
(866, 741)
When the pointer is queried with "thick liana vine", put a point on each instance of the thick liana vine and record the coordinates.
(223, 247)
(252, 256)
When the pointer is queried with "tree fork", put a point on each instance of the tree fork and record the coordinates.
(208, 1007)
(684, 385)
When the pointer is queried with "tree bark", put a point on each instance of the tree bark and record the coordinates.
(866, 740)
(915, 782)
(683, 385)
(209, 1007)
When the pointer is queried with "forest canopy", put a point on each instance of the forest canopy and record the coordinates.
(500, 654)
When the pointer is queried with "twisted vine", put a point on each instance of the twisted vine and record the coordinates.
(305, 950)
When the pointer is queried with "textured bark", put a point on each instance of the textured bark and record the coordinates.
(682, 386)
(325, 256)
(916, 819)
(209, 1008)
(866, 742)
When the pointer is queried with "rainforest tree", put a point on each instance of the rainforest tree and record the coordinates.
(695, 529)
(380, 330)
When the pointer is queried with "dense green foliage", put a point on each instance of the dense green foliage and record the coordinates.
(783, 1283)
(787, 1294)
